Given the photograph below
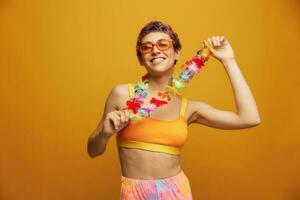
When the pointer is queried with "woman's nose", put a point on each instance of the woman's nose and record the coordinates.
(155, 49)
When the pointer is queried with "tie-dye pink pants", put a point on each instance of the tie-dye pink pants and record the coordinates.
(172, 188)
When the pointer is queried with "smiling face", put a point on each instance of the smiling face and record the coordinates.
(159, 61)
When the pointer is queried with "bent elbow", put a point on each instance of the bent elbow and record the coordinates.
(95, 152)
(92, 152)
(255, 122)
(91, 155)
(94, 155)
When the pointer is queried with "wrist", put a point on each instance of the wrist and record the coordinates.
(228, 62)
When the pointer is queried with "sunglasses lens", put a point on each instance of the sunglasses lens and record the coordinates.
(146, 47)
(164, 44)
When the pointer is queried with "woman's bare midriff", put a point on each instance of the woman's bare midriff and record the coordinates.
(143, 164)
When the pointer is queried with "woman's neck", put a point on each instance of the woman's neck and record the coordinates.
(159, 83)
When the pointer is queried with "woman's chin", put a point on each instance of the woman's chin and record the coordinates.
(159, 66)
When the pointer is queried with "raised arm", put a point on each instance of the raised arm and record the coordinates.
(98, 139)
(247, 114)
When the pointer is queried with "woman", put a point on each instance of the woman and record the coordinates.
(149, 150)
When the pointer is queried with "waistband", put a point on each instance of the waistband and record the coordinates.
(149, 146)
(133, 180)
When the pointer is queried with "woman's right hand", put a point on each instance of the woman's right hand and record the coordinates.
(115, 121)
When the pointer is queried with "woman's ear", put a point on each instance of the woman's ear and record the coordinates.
(177, 55)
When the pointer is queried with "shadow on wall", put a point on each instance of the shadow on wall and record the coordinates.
(293, 192)
(3, 3)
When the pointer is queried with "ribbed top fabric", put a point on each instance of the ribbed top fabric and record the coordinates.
(166, 136)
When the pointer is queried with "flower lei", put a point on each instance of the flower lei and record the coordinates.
(191, 67)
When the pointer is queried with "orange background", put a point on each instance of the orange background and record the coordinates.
(60, 59)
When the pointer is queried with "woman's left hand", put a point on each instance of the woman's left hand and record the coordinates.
(221, 48)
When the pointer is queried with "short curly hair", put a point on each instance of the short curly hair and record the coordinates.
(157, 26)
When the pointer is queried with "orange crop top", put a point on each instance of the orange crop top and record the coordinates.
(167, 136)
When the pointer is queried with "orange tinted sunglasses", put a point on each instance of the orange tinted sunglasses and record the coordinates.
(162, 44)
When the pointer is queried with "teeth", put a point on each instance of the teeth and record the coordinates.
(157, 60)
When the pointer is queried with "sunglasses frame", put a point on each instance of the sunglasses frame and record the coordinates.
(155, 44)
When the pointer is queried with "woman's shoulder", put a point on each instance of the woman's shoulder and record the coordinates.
(121, 89)
(121, 93)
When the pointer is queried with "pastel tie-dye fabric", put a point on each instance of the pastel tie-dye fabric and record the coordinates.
(172, 188)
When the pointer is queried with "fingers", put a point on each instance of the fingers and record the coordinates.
(209, 41)
(214, 41)
(205, 43)
(124, 115)
(119, 118)
(114, 118)
(222, 38)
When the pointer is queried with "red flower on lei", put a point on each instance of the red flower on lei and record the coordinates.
(133, 105)
(157, 102)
